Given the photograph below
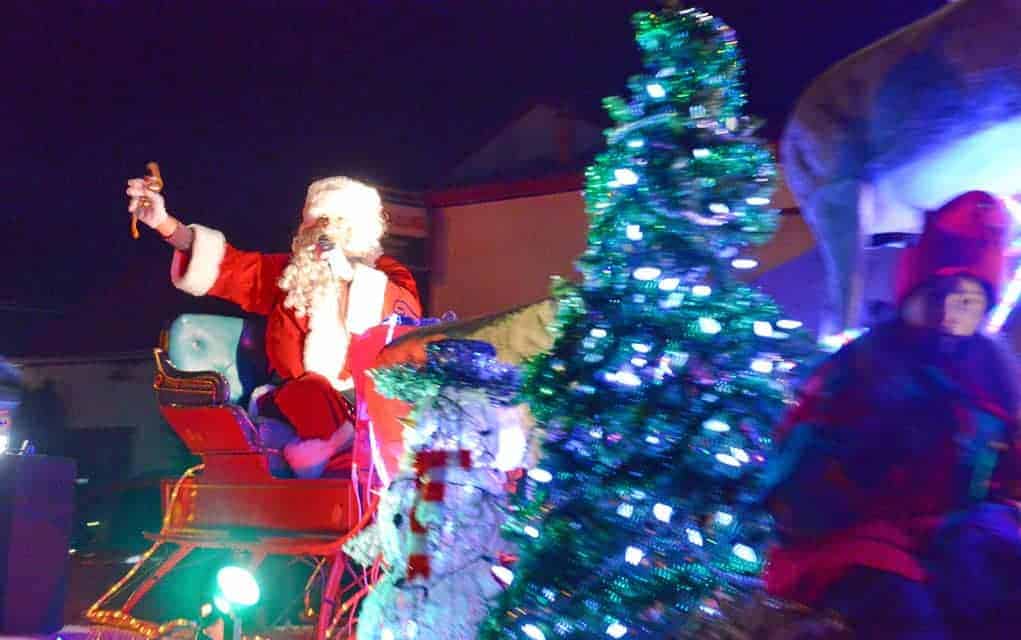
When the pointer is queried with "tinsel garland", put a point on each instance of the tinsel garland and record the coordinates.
(455, 364)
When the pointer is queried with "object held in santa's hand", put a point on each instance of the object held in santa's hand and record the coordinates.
(153, 182)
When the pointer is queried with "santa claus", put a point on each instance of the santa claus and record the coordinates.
(333, 286)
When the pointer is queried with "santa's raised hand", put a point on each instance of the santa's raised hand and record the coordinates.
(147, 204)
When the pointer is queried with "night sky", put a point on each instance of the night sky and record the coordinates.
(244, 103)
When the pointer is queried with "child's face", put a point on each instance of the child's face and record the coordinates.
(962, 308)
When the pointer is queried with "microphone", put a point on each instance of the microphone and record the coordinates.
(335, 258)
(325, 244)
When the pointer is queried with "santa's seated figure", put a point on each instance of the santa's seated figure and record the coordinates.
(332, 288)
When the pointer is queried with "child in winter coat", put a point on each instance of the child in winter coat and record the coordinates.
(898, 469)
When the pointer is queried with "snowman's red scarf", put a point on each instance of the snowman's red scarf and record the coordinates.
(431, 471)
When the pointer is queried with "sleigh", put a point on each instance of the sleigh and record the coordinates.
(241, 505)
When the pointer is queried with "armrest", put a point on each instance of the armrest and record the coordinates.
(188, 388)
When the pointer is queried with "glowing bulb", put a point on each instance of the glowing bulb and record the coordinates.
(709, 326)
(1008, 300)
(757, 201)
(745, 552)
(724, 518)
(717, 426)
(740, 454)
(694, 537)
(647, 273)
(411, 629)
(616, 630)
(533, 632)
(626, 378)
(786, 366)
(655, 90)
(641, 347)
(790, 325)
(662, 512)
(625, 510)
(540, 475)
(663, 368)
(672, 301)
(762, 329)
(728, 459)
(719, 207)
(701, 290)
(700, 153)
(760, 365)
(836, 341)
(633, 555)
(639, 361)
(503, 574)
(669, 284)
(634, 232)
(597, 333)
(626, 177)
(238, 586)
(531, 531)
(636, 143)
(652, 439)
(744, 263)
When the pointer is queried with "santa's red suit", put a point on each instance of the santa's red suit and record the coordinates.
(310, 353)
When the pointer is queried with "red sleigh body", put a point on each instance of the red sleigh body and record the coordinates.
(241, 499)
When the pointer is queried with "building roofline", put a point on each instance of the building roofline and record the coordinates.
(496, 191)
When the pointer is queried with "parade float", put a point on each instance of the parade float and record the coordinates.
(654, 383)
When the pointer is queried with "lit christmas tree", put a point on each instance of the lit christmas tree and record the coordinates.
(657, 400)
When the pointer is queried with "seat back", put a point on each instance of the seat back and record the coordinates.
(232, 347)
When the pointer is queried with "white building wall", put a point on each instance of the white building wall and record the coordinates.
(110, 392)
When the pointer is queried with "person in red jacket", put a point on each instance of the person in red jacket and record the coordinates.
(334, 286)
(902, 453)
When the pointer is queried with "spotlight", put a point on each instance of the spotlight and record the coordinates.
(236, 588)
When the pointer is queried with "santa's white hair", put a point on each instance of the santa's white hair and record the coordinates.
(350, 214)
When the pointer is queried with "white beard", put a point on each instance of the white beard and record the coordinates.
(325, 349)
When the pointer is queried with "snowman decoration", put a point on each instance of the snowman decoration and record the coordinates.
(438, 523)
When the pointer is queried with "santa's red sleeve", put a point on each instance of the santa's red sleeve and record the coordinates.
(398, 274)
(213, 267)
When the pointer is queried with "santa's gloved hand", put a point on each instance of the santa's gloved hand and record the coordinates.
(339, 264)
(149, 206)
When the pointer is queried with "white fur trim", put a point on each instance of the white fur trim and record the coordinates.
(365, 299)
(257, 394)
(207, 250)
(325, 348)
(308, 458)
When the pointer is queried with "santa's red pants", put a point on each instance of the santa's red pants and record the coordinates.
(310, 404)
